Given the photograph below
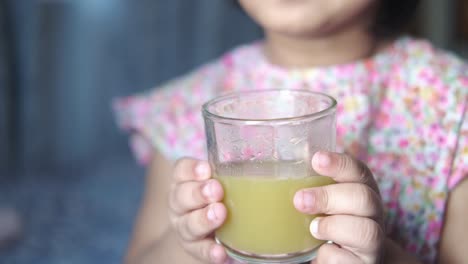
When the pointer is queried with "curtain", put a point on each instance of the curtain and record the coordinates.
(73, 57)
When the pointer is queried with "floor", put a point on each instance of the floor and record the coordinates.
(75, 217)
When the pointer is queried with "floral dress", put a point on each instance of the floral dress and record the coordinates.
(401, 111)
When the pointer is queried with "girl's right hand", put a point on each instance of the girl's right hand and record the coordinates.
(196, 211)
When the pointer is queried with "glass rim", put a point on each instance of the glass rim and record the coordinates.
(327, 110)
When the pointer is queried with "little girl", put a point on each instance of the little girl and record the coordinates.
(401, 191)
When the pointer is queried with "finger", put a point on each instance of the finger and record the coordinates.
(200, 223)
(346, 198)
(366, 235)
(207, 251)
(333, 254)
(191, 195)
(187, 169)
(343, 168)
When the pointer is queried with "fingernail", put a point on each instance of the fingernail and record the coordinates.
(304, 200)
(314, 226)
(298, 200)
(307, 199)
(207, 190)
(216, 253)
(211, 214)
(323, 159)
(202, 169)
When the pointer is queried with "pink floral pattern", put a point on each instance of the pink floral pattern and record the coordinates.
(402, 111)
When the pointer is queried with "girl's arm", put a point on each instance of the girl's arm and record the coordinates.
(153, 240)
(454, 243)
(394, 254)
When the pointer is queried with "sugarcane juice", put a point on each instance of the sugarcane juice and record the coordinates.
(261, 217)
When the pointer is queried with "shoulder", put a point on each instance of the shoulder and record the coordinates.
(418, 63)
(424, 105)
(194, 87)
(168, 117)
(430, 81)
(208, 80)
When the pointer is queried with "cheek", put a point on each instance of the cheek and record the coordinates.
(253, 7)
(335, 15)
(269, 14)
(305, 16)
(346, 9)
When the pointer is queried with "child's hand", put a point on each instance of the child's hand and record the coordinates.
(195, 210)
(354, 209)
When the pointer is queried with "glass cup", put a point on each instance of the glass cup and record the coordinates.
(260, 146)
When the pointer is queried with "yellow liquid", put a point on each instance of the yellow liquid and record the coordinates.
(261, 215)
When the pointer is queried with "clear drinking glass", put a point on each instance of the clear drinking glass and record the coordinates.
(260, 145)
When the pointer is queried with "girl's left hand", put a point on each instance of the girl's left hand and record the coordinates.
(354, 210)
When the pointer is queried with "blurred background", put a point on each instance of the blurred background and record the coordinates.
(63, 163)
